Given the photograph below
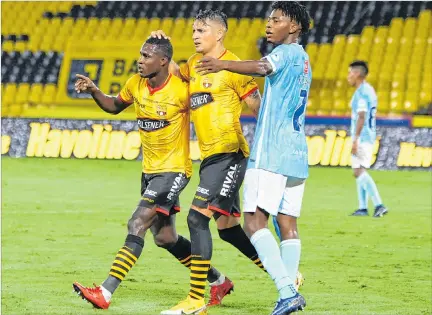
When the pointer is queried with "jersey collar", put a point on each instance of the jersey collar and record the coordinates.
(154, 90)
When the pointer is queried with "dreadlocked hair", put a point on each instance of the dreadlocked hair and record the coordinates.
(295, 11)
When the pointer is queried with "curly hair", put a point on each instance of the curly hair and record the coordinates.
(295, 11)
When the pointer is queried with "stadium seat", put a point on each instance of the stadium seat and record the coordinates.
(49, 94)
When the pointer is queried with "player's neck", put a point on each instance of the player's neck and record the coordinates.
(216, 52)
(291, 39)
(358, 83)
(158, 80)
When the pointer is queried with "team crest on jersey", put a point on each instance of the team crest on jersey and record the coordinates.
(161, 110)
(306, 67)
(206, 83)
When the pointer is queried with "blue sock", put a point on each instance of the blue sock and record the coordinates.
(361, 194)
(371, 188)
(290, 250)
(277, 229)
(270, 255)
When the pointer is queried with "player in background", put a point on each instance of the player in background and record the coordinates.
(363, 132)
(162, 108)
(278, 164)
(215, 109)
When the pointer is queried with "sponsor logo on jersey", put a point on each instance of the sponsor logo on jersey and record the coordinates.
(206, 83)
(229, 180)
(199, 99)
(148, 124)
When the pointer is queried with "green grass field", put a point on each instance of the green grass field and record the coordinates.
(64, 220)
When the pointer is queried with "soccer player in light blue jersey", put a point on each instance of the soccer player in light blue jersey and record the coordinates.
(363, 133)
(278, 165)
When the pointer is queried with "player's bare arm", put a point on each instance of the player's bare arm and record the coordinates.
(257, 68)
(253, 101)
(358, 130)
(107, 103)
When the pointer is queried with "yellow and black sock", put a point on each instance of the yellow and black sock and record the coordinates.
(201, 250)
(238, 238)
(125, 259)
(182, 251)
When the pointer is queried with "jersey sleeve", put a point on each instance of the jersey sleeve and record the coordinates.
(126, 95)
(279, 58)
(362, 105)
(243, 85)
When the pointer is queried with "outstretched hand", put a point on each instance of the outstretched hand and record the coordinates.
(84, 84)
(209, 65)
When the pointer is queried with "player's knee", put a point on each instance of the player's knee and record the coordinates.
(164, 240)
(198, 220)
(288, 227)
(358, 172)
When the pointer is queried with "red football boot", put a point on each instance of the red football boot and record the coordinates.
(92, 295)
(218, 292)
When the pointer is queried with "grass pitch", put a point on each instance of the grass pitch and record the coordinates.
(64, 220)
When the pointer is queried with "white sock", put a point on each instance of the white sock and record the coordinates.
(107, 294)
(218, 281)
(270, 255)
(290, 250)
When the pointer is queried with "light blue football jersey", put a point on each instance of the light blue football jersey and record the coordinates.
(364, 100)
(280, 142)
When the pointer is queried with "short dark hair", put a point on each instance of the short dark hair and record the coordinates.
(295, 11)
(163, 44)
(212, 15)
(360, 64)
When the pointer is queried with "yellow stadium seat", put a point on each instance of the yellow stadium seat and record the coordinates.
(396, 101)
(20, 46)
(312, 50)
(167, 26)
(8, 46)
(36, 91)
(9, 94)
(411, 102)
(22, 93)
(49, 94)
(154, 25)
(179, 26)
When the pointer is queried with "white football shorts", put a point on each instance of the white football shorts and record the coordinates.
(363, 157)
(274, 193)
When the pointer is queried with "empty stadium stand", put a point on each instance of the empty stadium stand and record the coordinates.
(394, 37)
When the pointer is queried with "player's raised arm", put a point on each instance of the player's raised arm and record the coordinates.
(257, 68)
(107, 103)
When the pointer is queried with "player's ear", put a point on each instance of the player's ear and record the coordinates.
(164, 61)
(294, 27)
(220, 34)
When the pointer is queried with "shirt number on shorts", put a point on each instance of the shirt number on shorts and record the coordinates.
(300, 110)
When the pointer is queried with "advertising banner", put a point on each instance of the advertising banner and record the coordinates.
(398, 146)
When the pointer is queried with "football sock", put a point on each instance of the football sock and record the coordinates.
(371, 188)
(277, 229)
(123, 262)
(238, 238)
(182, 251)
(201, 249)
(268, 251)
(290, 252)
(361, 194)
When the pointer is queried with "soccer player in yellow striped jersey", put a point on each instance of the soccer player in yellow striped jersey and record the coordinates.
(215, 102)
(161, 103)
